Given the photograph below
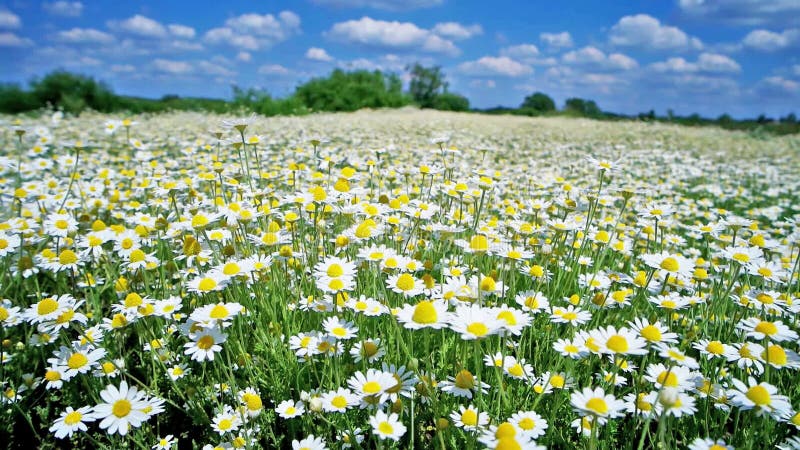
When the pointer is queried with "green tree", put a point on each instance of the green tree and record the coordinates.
(426, 84)
(73, 92)
(587, 108)
(450, 101)
(538, 103)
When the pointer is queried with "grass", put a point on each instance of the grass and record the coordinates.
(396, 279)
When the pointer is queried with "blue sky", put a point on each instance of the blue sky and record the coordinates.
(705, 56)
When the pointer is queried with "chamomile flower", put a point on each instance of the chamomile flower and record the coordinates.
(71, 421)
(122, 408)
(387, 426)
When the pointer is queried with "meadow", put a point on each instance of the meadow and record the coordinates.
(396, 279)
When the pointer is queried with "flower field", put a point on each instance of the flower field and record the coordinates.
(396, 279)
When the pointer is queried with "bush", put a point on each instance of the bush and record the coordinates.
(350, 91)
(538, 103)
(451, 102)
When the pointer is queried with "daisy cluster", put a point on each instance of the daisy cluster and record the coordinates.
(364, 280)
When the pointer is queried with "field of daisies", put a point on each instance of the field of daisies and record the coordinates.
(396, 280)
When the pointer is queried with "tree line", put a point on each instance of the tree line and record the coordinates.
(338, 91)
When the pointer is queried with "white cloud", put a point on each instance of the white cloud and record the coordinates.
(318, 54)
(597, 59)
(274, 69)
(123, 68)
(456, 31)
(172, 67)
(389, 5)
(521, 51)
(85, 36)
(218, 68)
(389, 62)
(140, 25)
(743, 12)
(557, 41)
(393, 35)
(244, 56)
(768, 41)
(796, 70)
(495, 65)
(647, 32)
(255, 31)
(181, 31)
(9, 20)
(779, 85)
(63, 8)
(481, 84)
(12, 40)
(706, 62)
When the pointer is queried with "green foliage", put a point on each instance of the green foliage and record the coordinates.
(451, 102)
(581, 107)
(72, 92)
(426, 84)
(538, 103)
(350, 91)
(13, 99)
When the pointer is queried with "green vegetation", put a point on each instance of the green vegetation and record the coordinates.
(338, 91)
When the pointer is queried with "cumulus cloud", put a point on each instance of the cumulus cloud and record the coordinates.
(390, 35)
(778, 85)
(141, 26)
(274, 69)
(768, 41)
(123, 68)
(63, 8)
(647, 32)
(318, 54)
(557, 41)
(520, 51)
(181, 31)
(255, 31)
(8, 39)
(388, 5)
(244, 56)
(743, 12)
(495, 65)
(389, 62)
(171, 67)
(598, 60)
(455, 31)
(85, 36)
(9, 20)
(706, 62)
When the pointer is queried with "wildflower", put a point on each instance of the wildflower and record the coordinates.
(763, 397)
(71, 421)
(387, 426)
(122, 408)
(596, 403)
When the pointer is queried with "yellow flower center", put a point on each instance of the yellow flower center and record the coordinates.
(67, 257)
(741, 257)
(469, 417)
(385, 428)
(478, 329)
(77, 360)
(335, 270)
(205, 342)
(371, 387)
(219, 312)
(597, 405)
(425, 312)
(508, 316)
(775, 354)
(759, 395)
(479, 242)
(617, 344)
(62, 224)
(137, 256)
(488, 284)
(207, 284)
(231, 269)
(405, 282)
(121, 408)
(52, 375)
(767, 328)
(46, 306)
(507, 443)
(670, 264)
(465, 380)
(668, 379)
(715, 347)
(72, 418)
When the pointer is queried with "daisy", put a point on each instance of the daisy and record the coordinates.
(338, 400)
(338, 329)
(288, 409)
(709, 444)
(596, 403)
(677, 377)
(780, 358)
(227, 421)
(463, 385)
(210, 282)
(747, 355)
(405, 284)
(532, 301)
(677, 356)
(469, 418)
(743, 255)
(671, 264)
(309, 443)
(513, 321)
(373, 383)
(369, 350)
(205, 343)
(122, 409)
(60, 225)
(712, 349)
(643, 404)
(387, 426)
(165, 443)
(763, 397)
(72, 420)
(760, 329)
(622, 341)
(474, 322)
(530, 423)
(572, 348)
(425, 314)
(219, 314)
(655, 333)
(570, 315)
(676, 403)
